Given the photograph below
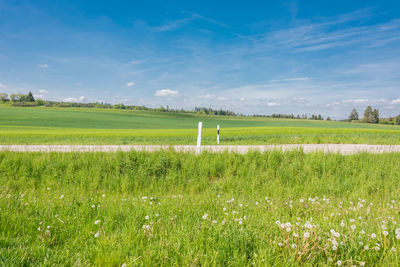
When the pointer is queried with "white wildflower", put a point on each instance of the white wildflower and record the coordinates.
(96, 234)
(205, 216)
(97, 222)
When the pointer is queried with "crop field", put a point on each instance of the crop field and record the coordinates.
(100, 126)
(167, 208)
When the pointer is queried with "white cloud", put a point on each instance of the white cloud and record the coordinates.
(43, 66)
(273, 104)
(131, 83)
(166, 92)
(73, 99)
(356, 101)
(70, 99)
(2, 86)
(396, 101)
(42, 91)
(206, 96)
(218, 98)
(364, 100)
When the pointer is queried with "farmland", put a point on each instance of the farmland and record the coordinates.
(173, 208)
(167, 208)
(99, 126)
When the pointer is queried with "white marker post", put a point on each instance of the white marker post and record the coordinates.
(217, 134)
(199, 138)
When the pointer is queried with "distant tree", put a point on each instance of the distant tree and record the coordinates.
(29, 97)
(328, 119)
(397, 120)
(367, 113)
(373, 116)
(15, 97)
(3, 97)
(353, 115)
(319, 117)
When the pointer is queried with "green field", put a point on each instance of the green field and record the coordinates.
(20, 125)
(166, 208)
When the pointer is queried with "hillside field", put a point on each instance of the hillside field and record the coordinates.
(20, 125)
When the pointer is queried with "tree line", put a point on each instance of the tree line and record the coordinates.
(292, 116)
(372, 116)
(28, 100)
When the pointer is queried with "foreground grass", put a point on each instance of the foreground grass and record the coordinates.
(169, 208)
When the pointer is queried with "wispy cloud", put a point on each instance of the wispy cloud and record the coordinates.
(43, 91)
(176, 24)
(130, 84)
(172, 25)
(291, 79)
(2, 86)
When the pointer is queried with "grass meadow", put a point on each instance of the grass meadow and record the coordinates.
(101, 126)
(168, 208)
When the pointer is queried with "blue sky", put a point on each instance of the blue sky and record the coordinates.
(247, 56)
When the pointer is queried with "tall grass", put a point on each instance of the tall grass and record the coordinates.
(168, 208)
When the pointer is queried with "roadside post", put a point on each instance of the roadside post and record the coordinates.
(199, 138)
(217, 134)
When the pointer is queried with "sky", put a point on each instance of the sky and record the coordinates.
(251, 57)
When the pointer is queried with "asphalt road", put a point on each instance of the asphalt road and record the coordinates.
(344, 149)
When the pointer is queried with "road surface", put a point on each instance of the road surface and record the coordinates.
(344, 149)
